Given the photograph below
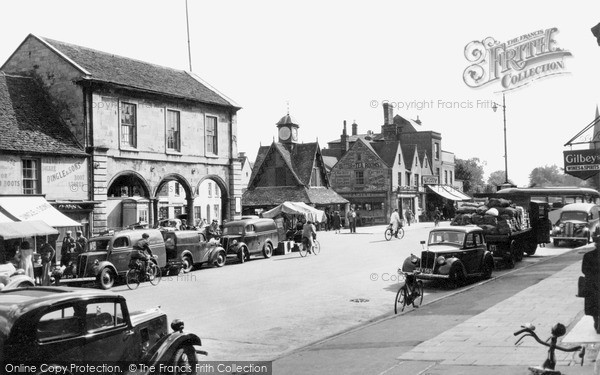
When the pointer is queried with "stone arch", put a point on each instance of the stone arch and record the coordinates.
(207, 203)
(128, 200)
(173, 197)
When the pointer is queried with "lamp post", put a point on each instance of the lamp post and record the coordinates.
(495, 108)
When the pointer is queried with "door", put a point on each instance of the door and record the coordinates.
(120, 254)
(59, 334)
(473, 252)
(108, 336)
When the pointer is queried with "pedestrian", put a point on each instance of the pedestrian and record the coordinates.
(352, 220)
(47, 254)
(26, 259)
(437, 215)
(336, 222)
(409, 215)
(395, 222)
(80, 242)
(67, 248)
(591, 270)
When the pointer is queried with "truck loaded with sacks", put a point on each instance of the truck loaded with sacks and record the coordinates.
(510, 231)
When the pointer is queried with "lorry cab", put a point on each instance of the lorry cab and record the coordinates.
(577, 223)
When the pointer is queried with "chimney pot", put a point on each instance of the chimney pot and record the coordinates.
(354, 128)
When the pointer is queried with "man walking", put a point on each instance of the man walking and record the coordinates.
(352, 220)
(409, 215)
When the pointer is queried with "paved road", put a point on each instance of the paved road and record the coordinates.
(265, 308)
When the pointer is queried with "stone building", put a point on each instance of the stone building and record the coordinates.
(142, 125)
(407, 168)
(289, 171)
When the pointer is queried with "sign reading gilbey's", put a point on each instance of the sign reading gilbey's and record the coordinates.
(582, 163)
(514, 63)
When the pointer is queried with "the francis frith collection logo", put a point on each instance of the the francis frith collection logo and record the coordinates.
(514, 63)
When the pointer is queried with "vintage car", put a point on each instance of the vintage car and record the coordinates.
(11, 277)
(248, 237)
(107, 257)
(191, 248)
(577, 223)
(42, 326)
(452, 253)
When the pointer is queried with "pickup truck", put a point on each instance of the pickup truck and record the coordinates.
(69, 327)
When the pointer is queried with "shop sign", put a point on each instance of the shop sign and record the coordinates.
(582, 163)
(430, 180)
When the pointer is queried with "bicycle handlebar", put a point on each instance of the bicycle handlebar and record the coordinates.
(529, 332)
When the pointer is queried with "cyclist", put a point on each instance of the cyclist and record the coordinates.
(395, 222)
(309, 232)
(143, 253)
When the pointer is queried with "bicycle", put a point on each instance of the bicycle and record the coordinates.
(389, 232)
(409, 293)
(549, 364)
(135, 276)
(304, 251)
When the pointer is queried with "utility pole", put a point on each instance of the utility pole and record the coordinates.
(187, 21)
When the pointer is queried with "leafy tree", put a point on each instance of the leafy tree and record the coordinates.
(551, 175)
(471, 172)
(496, 178)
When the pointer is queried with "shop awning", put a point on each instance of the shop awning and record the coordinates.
(24, 208)
(24, 229)
(449, 192)
(5, 219)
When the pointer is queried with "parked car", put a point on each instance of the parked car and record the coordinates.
(577, 223)
(452, 253)
(191, 249)
(248, 237)
(11, 278)
(107, 257)
(61, 325)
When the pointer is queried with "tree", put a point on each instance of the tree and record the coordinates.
(552, 176)
(496, 178)
(471, 172)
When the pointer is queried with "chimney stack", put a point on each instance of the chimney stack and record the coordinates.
(354, 128)
(345, 145)
(388, 114)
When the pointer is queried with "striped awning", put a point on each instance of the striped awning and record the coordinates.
(449, 192)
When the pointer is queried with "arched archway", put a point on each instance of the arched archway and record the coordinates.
(212, 200)
(173, 197)
(128, 200)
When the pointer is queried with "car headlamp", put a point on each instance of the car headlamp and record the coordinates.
(441, 260)
(414, 259)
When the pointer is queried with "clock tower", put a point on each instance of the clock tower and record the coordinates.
(287, 130)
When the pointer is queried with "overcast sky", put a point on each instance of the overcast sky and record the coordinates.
(336, 61)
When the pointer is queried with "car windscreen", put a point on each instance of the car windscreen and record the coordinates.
(446, 238)
(236, 229)
(573, 215)
(98, 245)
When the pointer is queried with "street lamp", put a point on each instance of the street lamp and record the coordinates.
(495, 108)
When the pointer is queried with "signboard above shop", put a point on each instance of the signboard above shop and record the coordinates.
(582, 163)
(430, 180)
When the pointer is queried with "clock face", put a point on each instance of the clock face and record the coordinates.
(284, 133)
(294, 134)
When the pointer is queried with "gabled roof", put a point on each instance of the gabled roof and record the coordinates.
(387, 151)
(123, 71)
(260, 158)
(408, 152)
(404, 124)
(29, 122)
(275, 195)
(329, 161)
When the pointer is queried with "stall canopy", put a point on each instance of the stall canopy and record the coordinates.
(24, 229)
(449, 192)
(297, 208)
(24, 208)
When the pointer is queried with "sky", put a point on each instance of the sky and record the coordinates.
(330, 61)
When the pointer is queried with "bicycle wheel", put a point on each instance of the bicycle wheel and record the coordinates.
(400, 234)
(419, 297)
(132, 278)
(303, 250)
(154, 274)
(316, 248)
(388, 234)
(400, 300)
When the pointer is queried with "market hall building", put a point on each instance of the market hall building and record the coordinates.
(400, 167)
(290, 171)
(142, 127)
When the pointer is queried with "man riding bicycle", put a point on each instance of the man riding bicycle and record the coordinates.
(309, 233)
(395, 222)
(143, 252)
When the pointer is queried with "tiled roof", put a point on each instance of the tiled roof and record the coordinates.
(405, 125)
(329, 161)
(408, 152)
(119, 70)
(29, 122)
(260, 158)
(276, 195)
(387, 151)
(303, 160)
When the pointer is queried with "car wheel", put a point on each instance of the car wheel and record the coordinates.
(488, 267)
(268, 250)
(188, 263)
(242, 255)
(457, 277)
(184, 358)
(221, 259)
(531, 248)
(106, 279)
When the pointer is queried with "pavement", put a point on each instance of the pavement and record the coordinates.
(484, 343)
